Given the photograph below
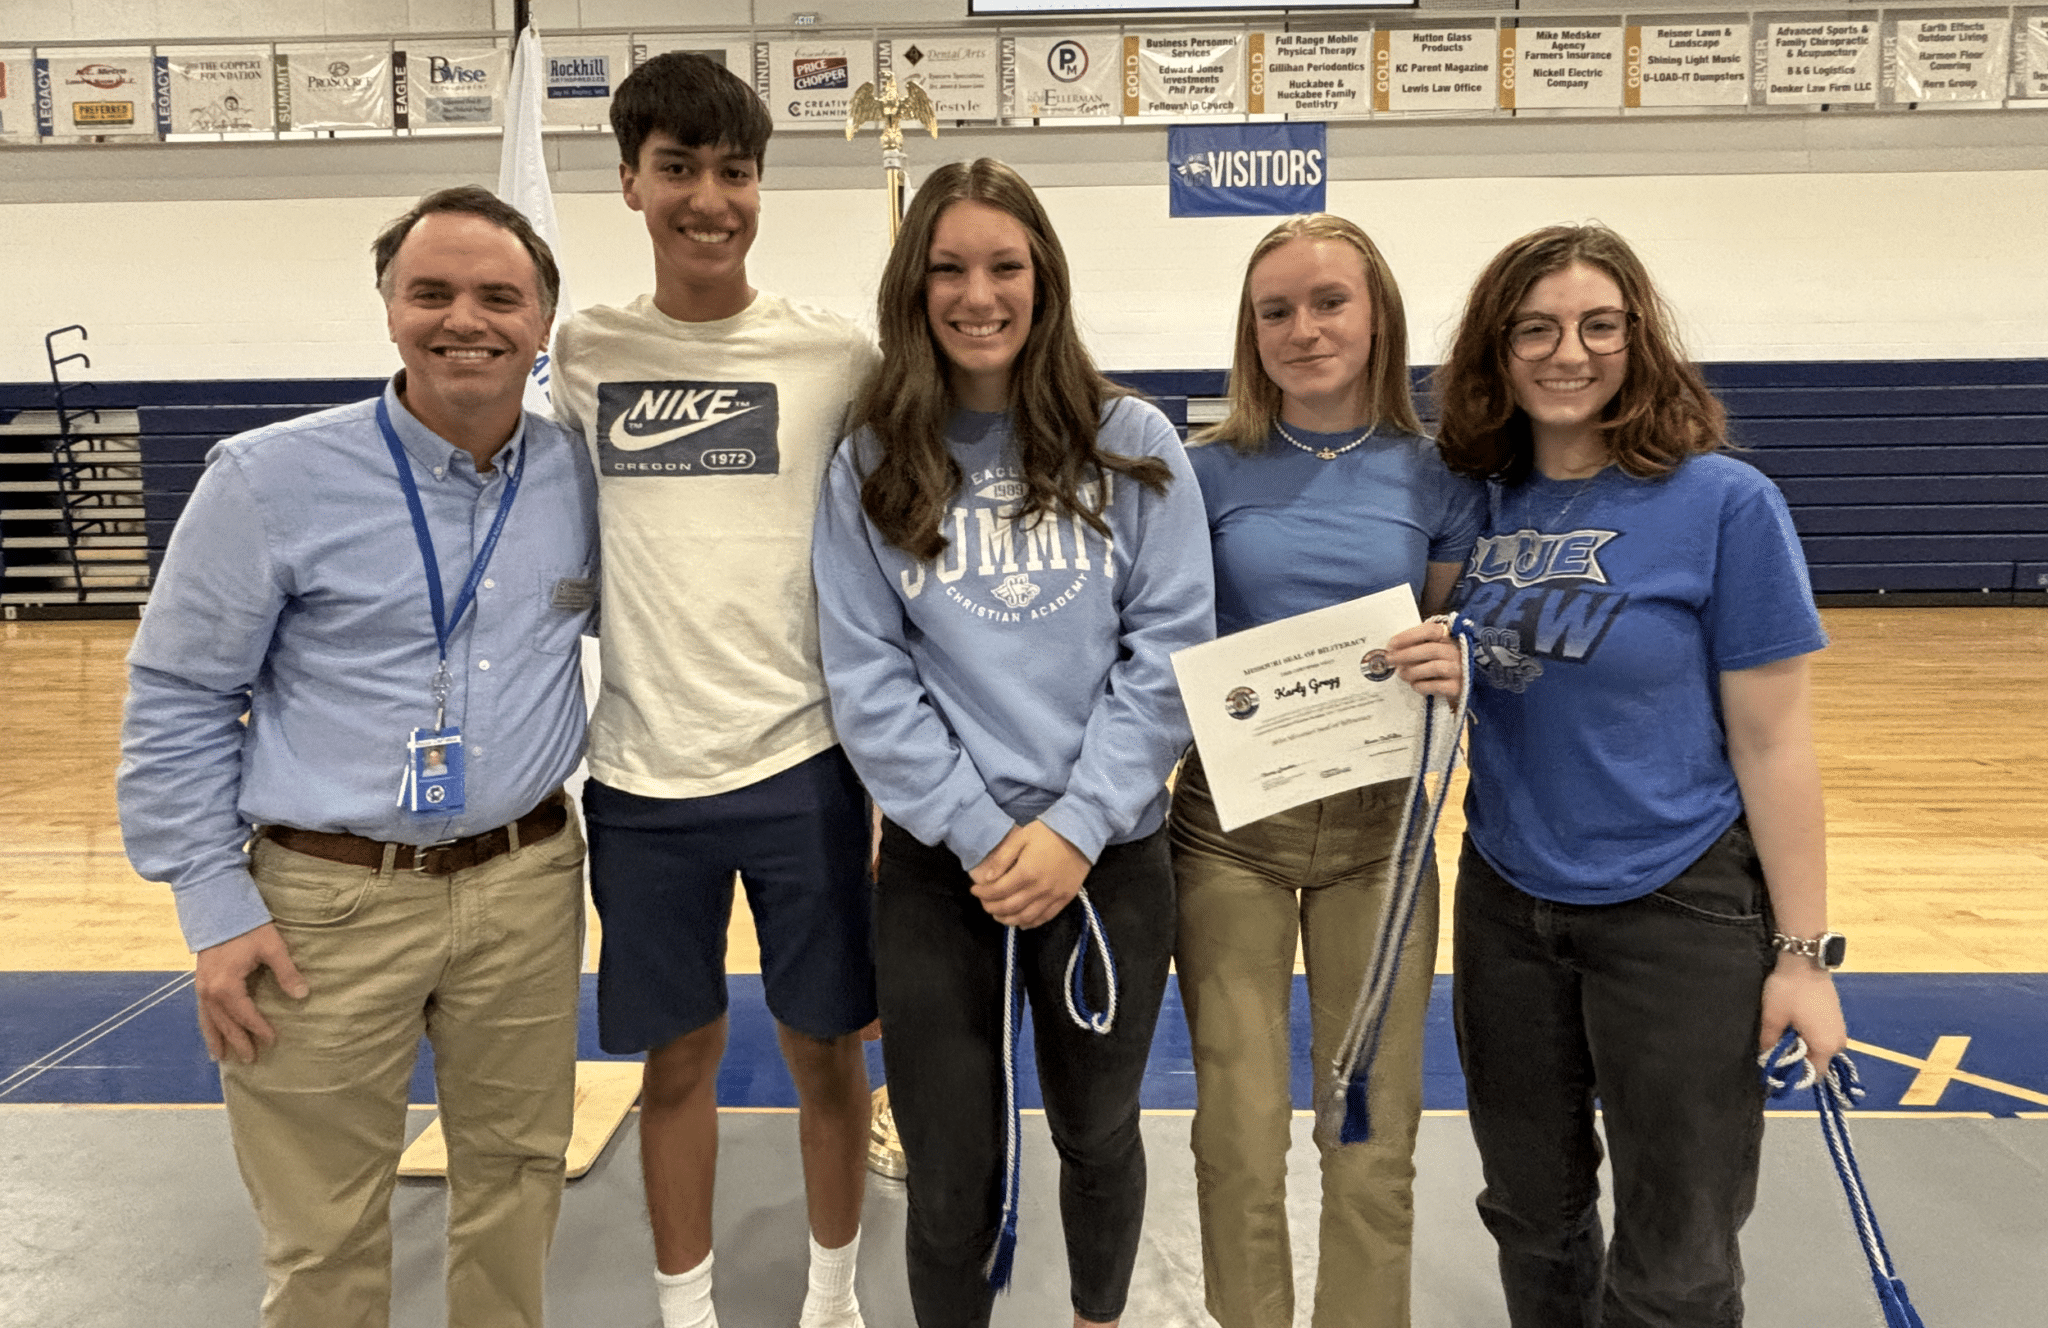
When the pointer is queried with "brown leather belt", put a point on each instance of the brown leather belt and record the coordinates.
(543, 822)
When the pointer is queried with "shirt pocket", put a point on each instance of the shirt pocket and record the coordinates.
(567, 603)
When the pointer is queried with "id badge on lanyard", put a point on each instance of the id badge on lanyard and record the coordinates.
(432, 782)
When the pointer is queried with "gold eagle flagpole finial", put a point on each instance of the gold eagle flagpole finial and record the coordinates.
(890, 109)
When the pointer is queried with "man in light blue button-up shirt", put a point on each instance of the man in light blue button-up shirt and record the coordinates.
(284, 669)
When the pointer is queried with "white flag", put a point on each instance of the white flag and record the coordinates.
(523, 182)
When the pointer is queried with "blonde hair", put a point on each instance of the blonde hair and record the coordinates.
(1385, 392)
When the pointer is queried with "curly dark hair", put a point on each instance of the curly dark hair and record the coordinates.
(1663, 413)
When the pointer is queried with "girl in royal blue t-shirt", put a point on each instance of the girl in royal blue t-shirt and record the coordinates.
(1642, 897)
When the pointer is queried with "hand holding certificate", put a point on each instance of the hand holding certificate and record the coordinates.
(1302, 708)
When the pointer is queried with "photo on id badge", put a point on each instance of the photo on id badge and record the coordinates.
(433, 772)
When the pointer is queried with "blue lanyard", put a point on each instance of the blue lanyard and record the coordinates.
(444, 624)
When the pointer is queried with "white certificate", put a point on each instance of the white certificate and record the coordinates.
(1302, 708)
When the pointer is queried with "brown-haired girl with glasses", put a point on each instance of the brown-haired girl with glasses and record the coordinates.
(1642, 896)
(1319, 488)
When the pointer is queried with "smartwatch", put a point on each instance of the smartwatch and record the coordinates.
(1826, 950)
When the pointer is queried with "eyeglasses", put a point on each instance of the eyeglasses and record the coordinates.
(1601, 332)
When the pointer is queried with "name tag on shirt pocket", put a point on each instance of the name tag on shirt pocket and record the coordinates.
(578, 594)
(569, 600)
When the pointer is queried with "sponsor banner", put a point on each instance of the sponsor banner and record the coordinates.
(338, 87)
(17, 97)
(1246, 170)
(2030, 71)
(1950, 59)
(1183, 73)
(1815, 61)
(219, 92)
(110, 93)
(580, 77)
(1434, 69)
(812, 83)
(1070, 75)
(1561, 68)
(735, 53)
(682, 430)
(1319, 74)
(444, 86)
(961, 74)
(1688, 66)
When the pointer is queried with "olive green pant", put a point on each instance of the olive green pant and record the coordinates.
(1319, 872)
(484, 963)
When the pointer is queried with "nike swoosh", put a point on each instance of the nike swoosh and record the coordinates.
(627, 442)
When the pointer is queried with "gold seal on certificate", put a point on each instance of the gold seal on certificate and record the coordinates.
(1302, 708)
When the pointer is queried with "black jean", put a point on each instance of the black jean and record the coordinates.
(1650, 1006)
(939, 973)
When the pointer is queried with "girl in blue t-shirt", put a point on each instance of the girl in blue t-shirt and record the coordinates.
(1642, 897)
(1008, 550)
(1319, 489)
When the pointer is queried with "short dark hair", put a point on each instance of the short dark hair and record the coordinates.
(475, 201)
(694, 100)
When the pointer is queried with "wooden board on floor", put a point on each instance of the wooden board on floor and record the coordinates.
(605, 1092)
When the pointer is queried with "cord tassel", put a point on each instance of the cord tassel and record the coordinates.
(1343, 1113)
(1833, 1094)
(1002, 1259)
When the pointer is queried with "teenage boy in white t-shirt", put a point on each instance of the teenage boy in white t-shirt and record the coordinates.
(712, 410)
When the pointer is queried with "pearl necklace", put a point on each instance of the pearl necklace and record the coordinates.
(1325, 453)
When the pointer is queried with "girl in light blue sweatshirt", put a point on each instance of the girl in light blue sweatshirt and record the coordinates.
(1008, 550)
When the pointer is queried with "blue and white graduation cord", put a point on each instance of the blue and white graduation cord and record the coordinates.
(1087, 1019)
(1342, 1112)
(1833, 1094)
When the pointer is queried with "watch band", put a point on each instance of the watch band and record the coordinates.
(1827, 950)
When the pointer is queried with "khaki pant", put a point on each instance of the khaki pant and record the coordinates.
(1319, 870)
(485, 964)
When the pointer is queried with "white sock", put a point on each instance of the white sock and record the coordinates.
(686, 1297)
(830, 1302)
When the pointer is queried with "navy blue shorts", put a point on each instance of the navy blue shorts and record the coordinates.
(661, 873)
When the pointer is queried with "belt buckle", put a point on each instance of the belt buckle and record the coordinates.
(420, 851)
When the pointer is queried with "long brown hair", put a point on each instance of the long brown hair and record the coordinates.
(1384, 390)
(1056, 392)
(1663, 413)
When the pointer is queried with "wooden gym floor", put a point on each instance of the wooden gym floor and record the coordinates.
(1933, 734)
(1932, 728)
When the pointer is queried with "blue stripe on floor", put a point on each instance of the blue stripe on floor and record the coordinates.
(131, 1038)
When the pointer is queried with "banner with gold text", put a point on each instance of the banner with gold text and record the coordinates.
(1319, 75)
(1544, 68)
(1693, 65)
(1183, 74)
(1434, 69)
